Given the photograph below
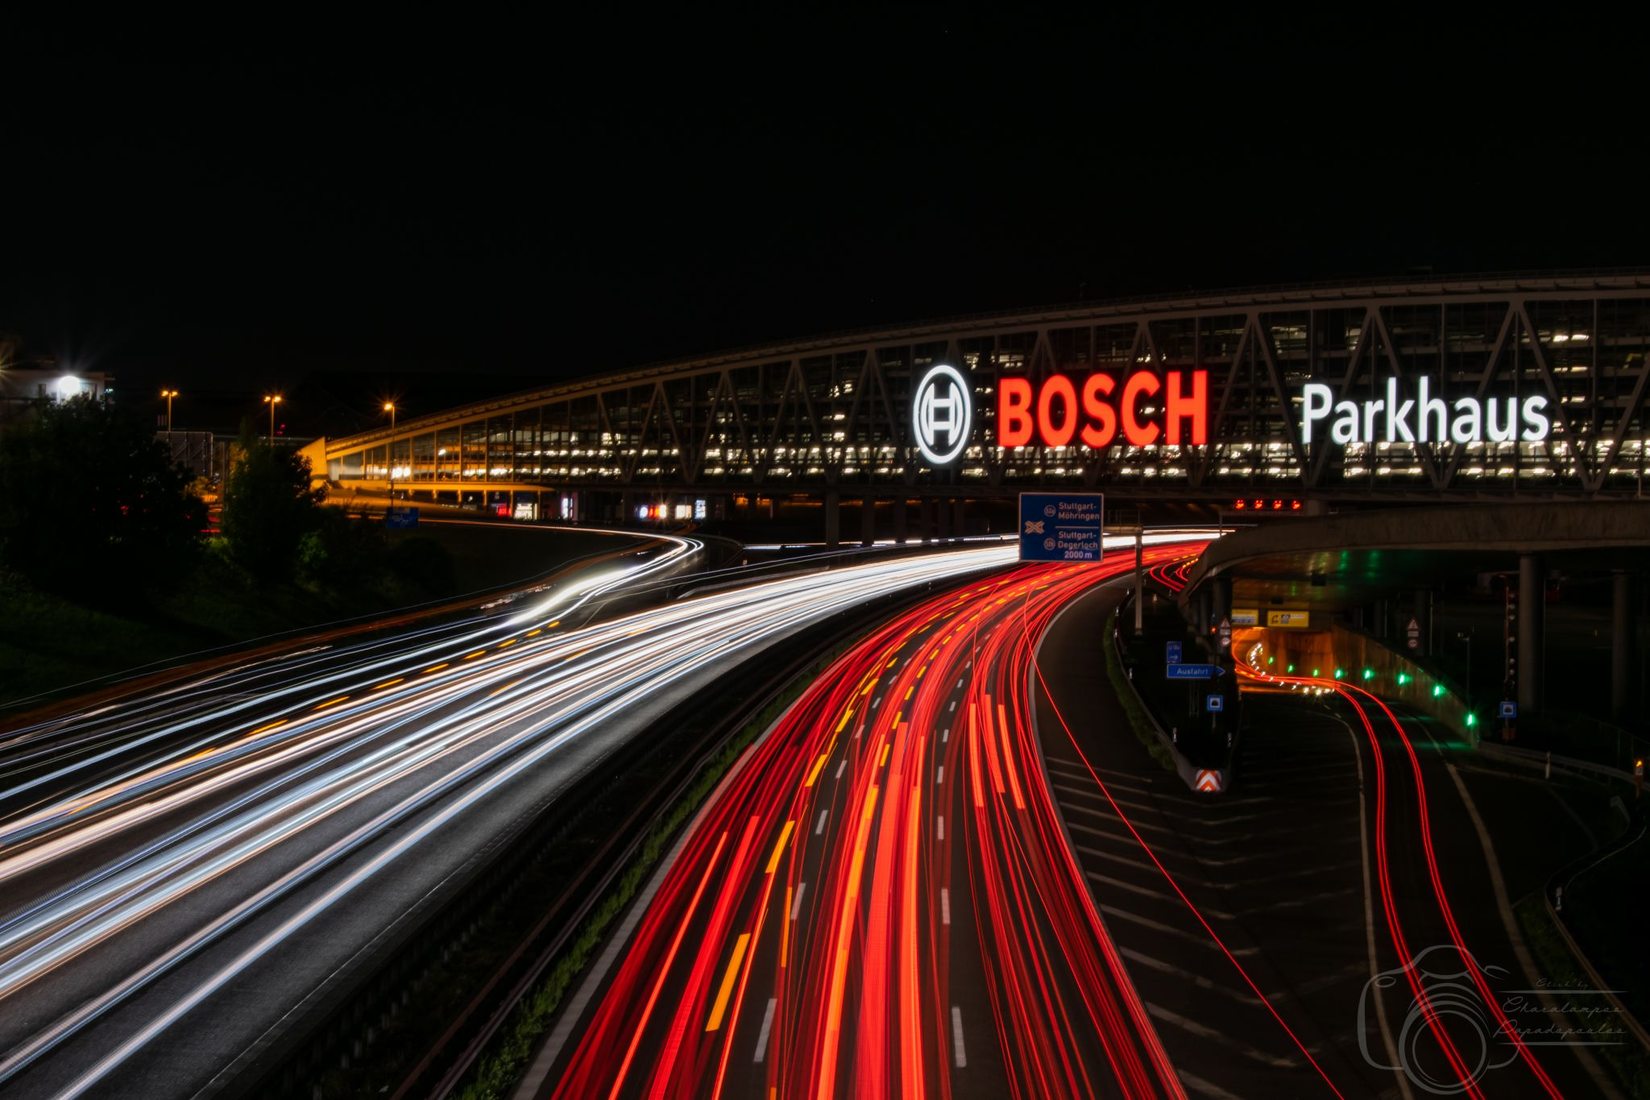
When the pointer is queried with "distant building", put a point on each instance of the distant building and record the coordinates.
(23, 386)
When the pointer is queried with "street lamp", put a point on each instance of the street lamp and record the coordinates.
(168, 394)
(389, 407)
(272, 399)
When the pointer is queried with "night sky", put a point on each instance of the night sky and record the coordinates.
(441, 212)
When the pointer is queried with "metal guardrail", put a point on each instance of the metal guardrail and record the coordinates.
(1535, 759)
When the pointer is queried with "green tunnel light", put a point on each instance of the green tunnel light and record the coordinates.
(1369, 674)
(1271, 660)
(1292, 668)
(1437, 690)
(1404, 678)
(1472, 720)
(1339, 672)
(1316, 671)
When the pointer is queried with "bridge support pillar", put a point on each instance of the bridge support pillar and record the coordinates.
(899, 519)
(1532, 593)
(868, 520)
(833, 518)
(959, 518)
(1621, 644)
(1423, 619)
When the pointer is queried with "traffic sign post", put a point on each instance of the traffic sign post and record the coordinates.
(1225, 633)
(1061, 527)
(1171, 653)
(1414, 632)
(1194, 672)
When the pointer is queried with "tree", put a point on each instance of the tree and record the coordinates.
(91, 504)
(268, 508)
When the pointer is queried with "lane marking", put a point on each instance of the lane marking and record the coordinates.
(779, 848)
(945, 735)
(819, 830)
(952, 708)
(1220, 1037)
(796, 906)
(939, 776)
(841, 766)
(945, 905)
(721, 1006)
(958, 1052)
(939, 828)
(767, 1025)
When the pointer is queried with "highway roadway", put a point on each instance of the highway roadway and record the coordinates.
(184, 875)
(950, 870)
(882, 899)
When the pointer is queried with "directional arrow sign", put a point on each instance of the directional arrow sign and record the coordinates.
(1172, 652)
(1195, 672)
(1208, 779)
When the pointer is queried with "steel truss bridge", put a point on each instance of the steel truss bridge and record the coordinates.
(829, 418)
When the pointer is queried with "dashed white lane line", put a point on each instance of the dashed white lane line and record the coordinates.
(945, 905)
(819, 830)
(939, 775)
(1196, 1084)
(939, 827)
(1240, 996)
(1204, 1032)
(767, 1026)
(840, 767)
(1114, 912)
(958, 1051)
(945, 735)
(953, 705)
(1117, 883)
(796, 906)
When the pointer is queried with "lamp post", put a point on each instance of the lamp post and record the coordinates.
(389, 407)
(168, 394)
(272, 399)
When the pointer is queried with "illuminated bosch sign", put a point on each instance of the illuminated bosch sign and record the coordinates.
(942, 414)
(1146, 408)
(1424, 418)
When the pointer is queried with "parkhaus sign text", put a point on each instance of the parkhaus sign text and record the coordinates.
(1424, 418)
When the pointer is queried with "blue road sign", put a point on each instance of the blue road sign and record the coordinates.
(1509, 709)
(400, 519)
(1214, 704)
(1194, 672)
(1061, 526)
(1172, 653)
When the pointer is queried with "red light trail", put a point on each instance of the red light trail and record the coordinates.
(882, 897)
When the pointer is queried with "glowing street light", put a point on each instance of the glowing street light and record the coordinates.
(168, 394)
(272, 399)
(389, 407)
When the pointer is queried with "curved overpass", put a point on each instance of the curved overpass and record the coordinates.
(1055, 403)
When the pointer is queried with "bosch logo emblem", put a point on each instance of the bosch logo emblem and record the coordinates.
(942, 414)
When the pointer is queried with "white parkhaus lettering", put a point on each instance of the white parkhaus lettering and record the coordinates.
(1423, 418)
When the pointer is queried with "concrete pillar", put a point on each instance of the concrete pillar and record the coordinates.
(899, 519)
(1621, 645)
(833, 518)
(1220, 592)
(942, 520)
(1423, 619)
(1139, 583)
(1532, 592)
(959, 518)
(868, 520)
